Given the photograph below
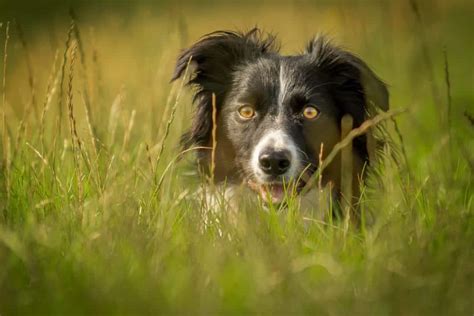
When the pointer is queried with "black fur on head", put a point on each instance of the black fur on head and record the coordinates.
(217, 55)
(214, 59)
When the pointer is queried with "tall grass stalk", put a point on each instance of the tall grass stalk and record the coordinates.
(59, 119)
(31, 77)
(93, 163)
(448, 91)
(166, 110)
(51, 88)
(115, 111)
(447, 80)
(347, 171)
(171, 118)
(214, 137)
(76, 142)
(128, 132)
(5, 136)
(87, 83)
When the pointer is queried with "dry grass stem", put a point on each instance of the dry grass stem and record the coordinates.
(76, 142)
(50, 91)
(214, 138)
(150, 160)
(128, 132)
(86, 89)
(167, 108)
(320, 160)
(90, 127)
(77, 35)
(346, 170)
(92, 163)
(21, 130)
(448, 90)
(61, 83)
(115, 111)
(320, 178)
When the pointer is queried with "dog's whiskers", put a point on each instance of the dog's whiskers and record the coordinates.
(304, 154)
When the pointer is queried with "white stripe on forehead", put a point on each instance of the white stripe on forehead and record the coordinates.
(282, 88)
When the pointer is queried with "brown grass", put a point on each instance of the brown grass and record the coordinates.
(214, 138)
(77, 147)
(347, 161)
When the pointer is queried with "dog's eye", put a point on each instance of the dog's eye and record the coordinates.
(246, 112)
(310, 112)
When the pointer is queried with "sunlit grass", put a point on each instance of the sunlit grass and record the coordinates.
(101, 212)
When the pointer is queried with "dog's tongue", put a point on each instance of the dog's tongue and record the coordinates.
(275, 192)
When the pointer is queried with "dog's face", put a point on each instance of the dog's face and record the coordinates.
(276, 115)
(274, 111)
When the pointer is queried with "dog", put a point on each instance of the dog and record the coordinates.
(273, 112)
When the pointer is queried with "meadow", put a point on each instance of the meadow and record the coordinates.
(98, 207)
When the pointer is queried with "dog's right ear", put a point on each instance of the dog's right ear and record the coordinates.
(213, 60)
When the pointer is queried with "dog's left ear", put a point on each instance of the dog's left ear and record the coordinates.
(355, 88)
(350, 73)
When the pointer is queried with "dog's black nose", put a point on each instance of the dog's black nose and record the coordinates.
(275, 163)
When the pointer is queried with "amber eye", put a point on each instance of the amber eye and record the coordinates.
(310, 112)
(246, 112)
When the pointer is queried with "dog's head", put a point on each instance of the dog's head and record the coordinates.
(274, 111)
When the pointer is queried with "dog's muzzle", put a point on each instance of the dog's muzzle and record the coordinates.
(275, 166)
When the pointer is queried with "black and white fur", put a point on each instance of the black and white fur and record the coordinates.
(246, 69)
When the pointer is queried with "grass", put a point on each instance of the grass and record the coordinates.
(99, 213)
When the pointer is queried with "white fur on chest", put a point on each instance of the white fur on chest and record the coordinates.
(314, 204)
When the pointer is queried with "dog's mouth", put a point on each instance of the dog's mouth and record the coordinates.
(276, 192)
